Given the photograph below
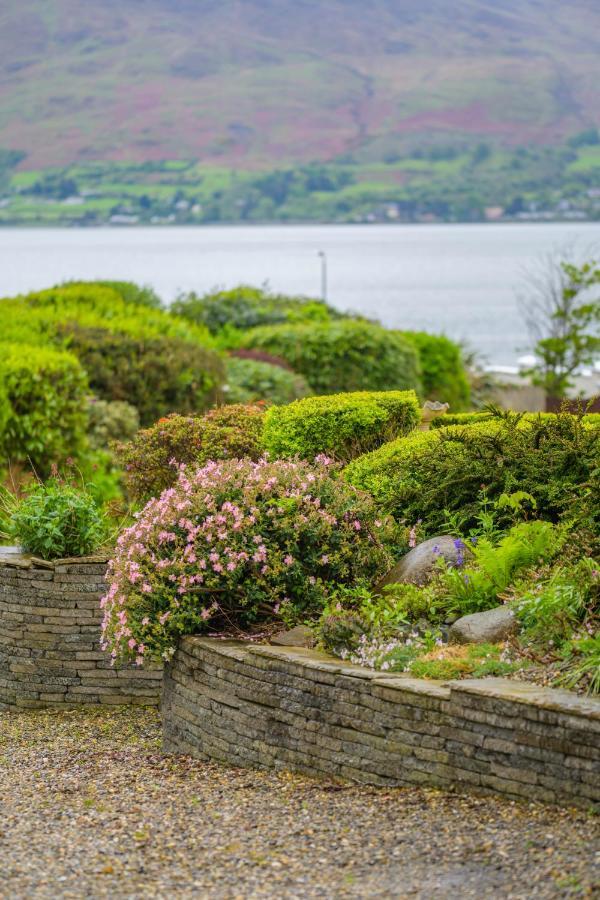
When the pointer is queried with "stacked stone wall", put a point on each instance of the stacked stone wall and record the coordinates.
(296, 709)
(50, 637)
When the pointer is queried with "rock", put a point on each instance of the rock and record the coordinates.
(487, 627)
(299, 636)
(419, 565)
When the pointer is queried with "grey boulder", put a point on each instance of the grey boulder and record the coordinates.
(420, 564)
(299, 636)
(487, 627)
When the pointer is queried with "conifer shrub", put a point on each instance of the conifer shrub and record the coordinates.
(151, 460)
(343, 355)
(431, 475)
(342, 425)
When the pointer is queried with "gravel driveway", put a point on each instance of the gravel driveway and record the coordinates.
(90, 808)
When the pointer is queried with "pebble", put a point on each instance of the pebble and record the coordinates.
(91, 808)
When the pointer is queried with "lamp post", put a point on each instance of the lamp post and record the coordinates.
(323, 257)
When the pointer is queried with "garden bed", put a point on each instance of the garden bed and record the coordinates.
(50, 651)
(302, 710)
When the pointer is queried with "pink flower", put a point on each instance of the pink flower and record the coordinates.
(356, 524)
(206, 614)
(324, 559)
(288, 560)
(162, 619)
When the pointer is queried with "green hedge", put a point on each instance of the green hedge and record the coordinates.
(157, 375)
(342, 425)
(245, 307)
(250, 380)
(427, 475)
(43, 404)
(472, 418)
(342, 356)
(130, 350)
(443, 372)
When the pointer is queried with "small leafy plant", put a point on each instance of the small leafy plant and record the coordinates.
(55, 521)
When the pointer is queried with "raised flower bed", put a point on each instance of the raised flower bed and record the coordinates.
(50, 652)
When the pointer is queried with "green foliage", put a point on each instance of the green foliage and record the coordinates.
(443, 371)
(55, 521)
(133, 293)
(110, 421)
(472, 661)
(43, 403)
(342, 425)
(250, 380)
(342, 356)
(432, 474)
(551, 609)
(157, 375)
(583, 669)
(151, 460)
(246, 307)
(573, 329)
(478, 585)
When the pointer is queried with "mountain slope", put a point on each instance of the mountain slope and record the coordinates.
(257, 83)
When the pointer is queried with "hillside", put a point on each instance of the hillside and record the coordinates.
(265, 83)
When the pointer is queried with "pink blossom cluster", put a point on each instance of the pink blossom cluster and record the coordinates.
(234, 541)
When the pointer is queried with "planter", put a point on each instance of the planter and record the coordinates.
(50, 637)
(297, 709)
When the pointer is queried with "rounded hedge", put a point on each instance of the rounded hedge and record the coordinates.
(443, 372)
(429, 475)
(151, 460)
(342, 356)
(249, 381)
(342, 425)
(43, 402)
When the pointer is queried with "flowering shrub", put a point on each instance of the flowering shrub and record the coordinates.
(152, 458)
(235, 542)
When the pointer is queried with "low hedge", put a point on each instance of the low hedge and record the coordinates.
(342, 426)
(250, 380)
(472, 418)
(43, 406)
(430, 475)
(443, 372)
(342, 356)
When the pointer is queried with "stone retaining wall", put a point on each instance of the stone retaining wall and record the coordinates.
(50, 637)
(283, 708)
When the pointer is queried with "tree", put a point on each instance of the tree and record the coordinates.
(563, 319)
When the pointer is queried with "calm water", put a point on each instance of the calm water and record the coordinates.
(459, 279)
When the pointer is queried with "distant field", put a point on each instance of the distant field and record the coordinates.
(442, 184)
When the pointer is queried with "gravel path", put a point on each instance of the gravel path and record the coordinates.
(90, 808)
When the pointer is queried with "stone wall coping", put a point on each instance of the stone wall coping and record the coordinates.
(14, 557)
(502, 689)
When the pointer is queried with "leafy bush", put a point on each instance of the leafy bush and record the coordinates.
(157, 375)
(43, 404)
(132, 293)
(342, 425)
(110, 421)
(443, 371)
(431, 474)
(151, 460)
(342, 356)
(233, 543)
(55, 521)
(245, 307)
(249, 381)
(590, 420)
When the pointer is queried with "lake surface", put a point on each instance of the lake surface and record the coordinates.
(462, 280)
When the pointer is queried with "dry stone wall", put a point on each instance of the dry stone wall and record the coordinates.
(296, 709)
(50, 637)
